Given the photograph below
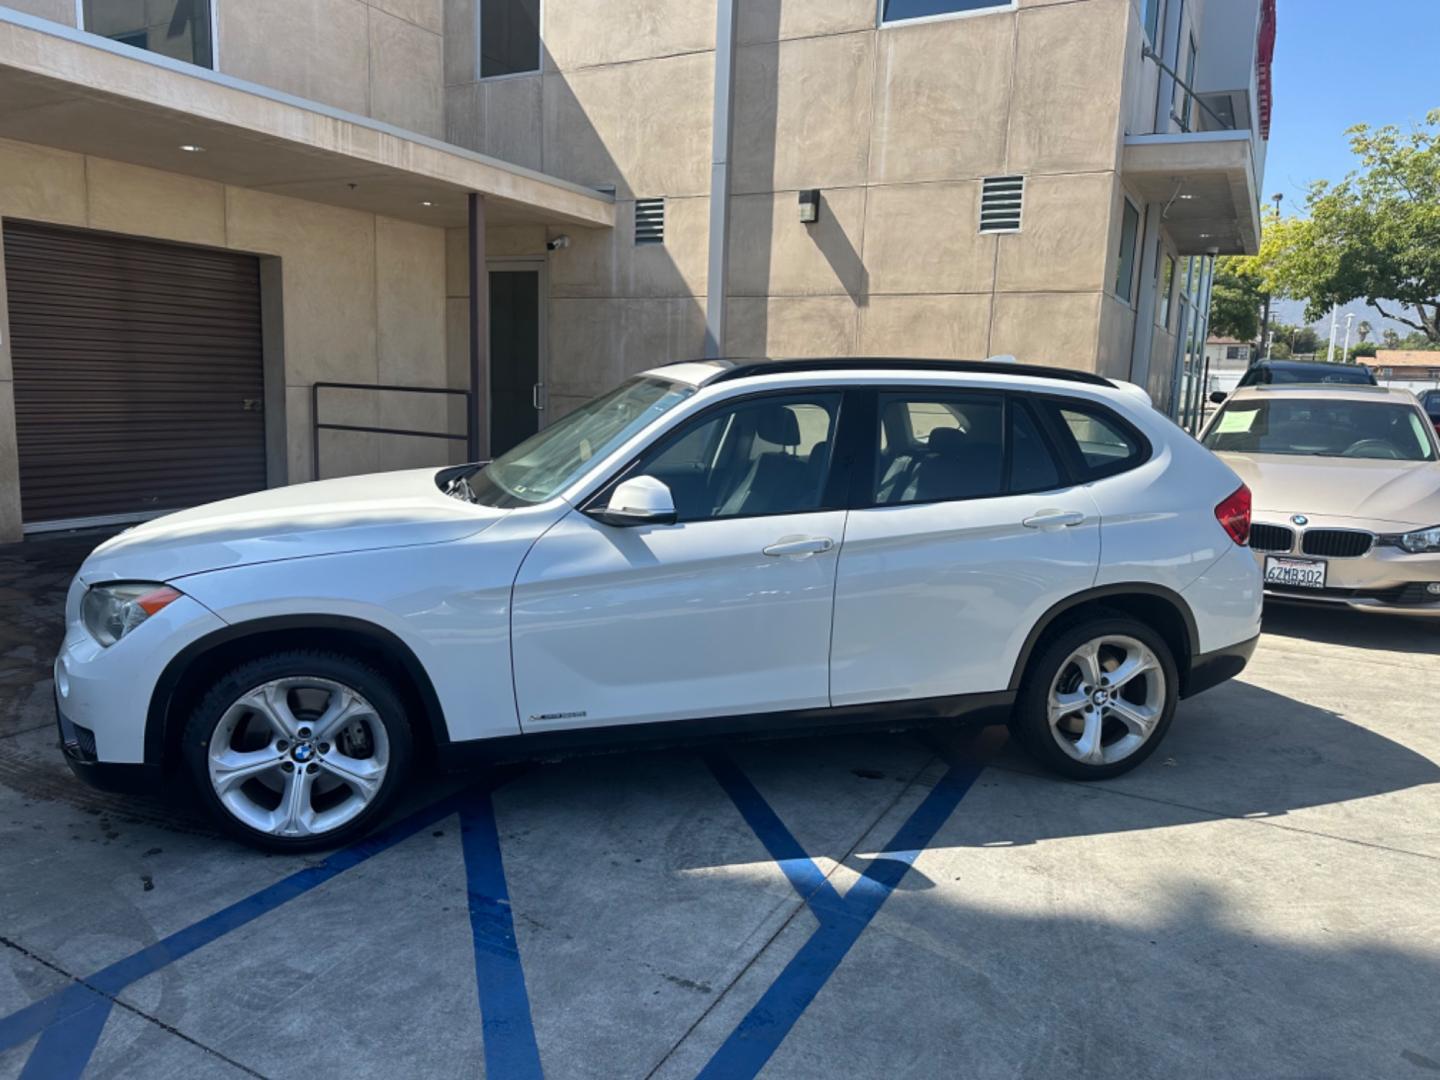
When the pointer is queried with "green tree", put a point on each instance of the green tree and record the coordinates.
(1375, 236)
(1364, 330)
(1390, 338)
(1235, 300)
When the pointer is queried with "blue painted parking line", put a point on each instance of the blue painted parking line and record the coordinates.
(813, 886)
(755, 1040)
(69, 1021)
(509, 1032)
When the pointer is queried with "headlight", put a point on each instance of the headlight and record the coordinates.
(1420, 542)
(110, 612)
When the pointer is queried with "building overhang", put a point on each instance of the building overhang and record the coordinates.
(66, 89)
(1206, 181)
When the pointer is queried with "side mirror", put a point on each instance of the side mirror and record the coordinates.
(1218, 397)
(641, 500)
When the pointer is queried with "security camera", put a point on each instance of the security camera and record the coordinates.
(560, 243)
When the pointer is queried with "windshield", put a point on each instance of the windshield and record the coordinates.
(1333, 373)
(545, 464)
(1322, 428)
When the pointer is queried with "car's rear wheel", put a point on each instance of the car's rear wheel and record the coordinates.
(298, 750)
(1098, 699)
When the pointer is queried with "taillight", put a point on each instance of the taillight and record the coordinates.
(1234, 515)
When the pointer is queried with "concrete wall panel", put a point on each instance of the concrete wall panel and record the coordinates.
(942, 119)
(925, 238)
(61, 11)
(317, 49)
(42, 184)
(802, 113)
(943, 327)
(773, 254)
(792, 326)
(410, 294)
(1069, 74)
(406, 75)
(582, 33)
(501, 118)
(772, 20)
(644, 127)
(148, 202)
(1059, 329)
(1065, 240)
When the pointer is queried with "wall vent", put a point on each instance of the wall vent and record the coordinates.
(649, 221)
(1001, 201)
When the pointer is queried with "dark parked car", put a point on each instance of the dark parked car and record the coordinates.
(1430, 399)
(1285, 372)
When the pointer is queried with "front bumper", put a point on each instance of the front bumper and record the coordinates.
(1383, 579)
(78, 745)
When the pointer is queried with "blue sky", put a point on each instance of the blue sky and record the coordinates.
(1339, 63)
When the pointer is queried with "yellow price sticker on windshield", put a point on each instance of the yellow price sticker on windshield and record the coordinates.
(1233, 420)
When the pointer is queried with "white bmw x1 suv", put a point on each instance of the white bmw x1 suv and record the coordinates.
(715, 546)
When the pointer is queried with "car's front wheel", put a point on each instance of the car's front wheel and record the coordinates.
(298, 750)
(1098, 698)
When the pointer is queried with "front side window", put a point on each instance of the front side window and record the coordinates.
(179, 29)
(545, 464)
(1129, 238)
(899, 10)
(1317, 427)
(509, 37)
(757, 458)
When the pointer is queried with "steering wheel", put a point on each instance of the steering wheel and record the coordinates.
(1374, 448)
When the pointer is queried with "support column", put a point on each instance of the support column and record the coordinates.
(479, 327)
(718, 274)
(1144, 341)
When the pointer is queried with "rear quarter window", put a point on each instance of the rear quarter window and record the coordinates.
(1097, 441)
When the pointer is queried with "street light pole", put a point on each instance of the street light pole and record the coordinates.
(1334, 328)
(1265, 322)
(1349, 322)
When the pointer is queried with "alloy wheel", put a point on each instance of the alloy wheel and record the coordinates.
(1106, 700)
(298, 757)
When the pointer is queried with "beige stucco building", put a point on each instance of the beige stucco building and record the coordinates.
(210, 206)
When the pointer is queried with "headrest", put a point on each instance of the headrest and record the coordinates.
(778, 425)
(946, 440)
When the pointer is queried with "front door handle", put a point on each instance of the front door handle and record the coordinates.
(537, 396)
(804, 545)
(1049, 520)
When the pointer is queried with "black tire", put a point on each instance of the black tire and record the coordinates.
(1030, 724)
(362, 679)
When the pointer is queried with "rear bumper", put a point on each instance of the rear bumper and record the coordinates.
(1210, 669)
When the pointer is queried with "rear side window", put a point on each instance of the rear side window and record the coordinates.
(1099, 442)
(939, 447)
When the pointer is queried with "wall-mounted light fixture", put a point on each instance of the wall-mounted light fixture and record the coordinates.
(810, 206)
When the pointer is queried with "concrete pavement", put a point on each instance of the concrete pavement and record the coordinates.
(1260, 899)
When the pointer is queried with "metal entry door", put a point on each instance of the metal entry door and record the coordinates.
(517, 384)
(139, 383)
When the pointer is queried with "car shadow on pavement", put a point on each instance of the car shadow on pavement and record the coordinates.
(1354, 629)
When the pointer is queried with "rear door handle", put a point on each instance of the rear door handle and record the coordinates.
(805, 545)
(1055, 519)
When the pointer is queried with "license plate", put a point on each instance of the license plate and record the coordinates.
(1295, 573)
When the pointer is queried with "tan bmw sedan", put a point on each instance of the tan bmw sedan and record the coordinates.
(1347, 492)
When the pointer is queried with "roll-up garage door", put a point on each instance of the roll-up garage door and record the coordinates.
(139, 381)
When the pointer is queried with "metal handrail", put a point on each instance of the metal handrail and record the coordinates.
(316, 426)
(1150, 54)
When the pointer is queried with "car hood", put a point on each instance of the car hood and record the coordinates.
(1384, 493)
(357, 513)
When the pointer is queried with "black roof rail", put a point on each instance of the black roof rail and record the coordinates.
(745, 369)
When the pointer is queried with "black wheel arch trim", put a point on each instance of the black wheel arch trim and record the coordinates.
(1100, 593)
(159, 722)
